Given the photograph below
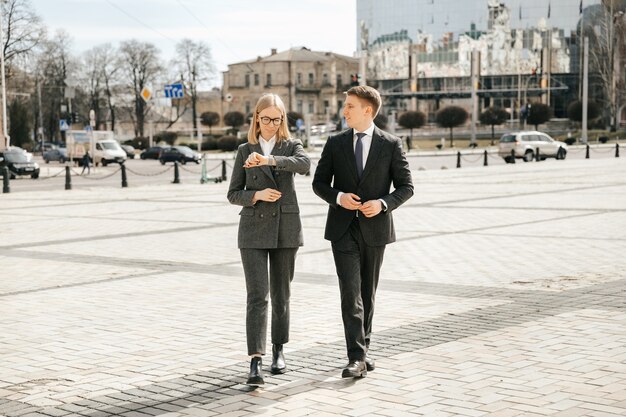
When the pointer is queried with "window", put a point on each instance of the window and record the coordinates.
(247, 107)
(299, 106)
(326, 106)
(311, 78)
(247, 80)
(256, 79)
(269, 79)
(299, 78)
(325, 79)
(311, 107)
(339, 81)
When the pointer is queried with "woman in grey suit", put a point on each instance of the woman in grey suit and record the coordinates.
(269, 228)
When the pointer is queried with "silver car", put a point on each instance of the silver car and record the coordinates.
(526, 143)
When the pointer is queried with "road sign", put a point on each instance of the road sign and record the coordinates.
(174, 90)
(63, 126)
(146, 94)
(228, 97)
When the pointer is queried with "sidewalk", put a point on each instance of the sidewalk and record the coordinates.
(504, 296)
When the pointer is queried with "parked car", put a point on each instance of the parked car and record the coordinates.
(130, 151)
(182, 154)
(526, 144)
(45, 146)
(19, 162)
(153, 152)
(55, 154)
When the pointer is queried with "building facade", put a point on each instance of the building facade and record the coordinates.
(309, 82)
(419, 51)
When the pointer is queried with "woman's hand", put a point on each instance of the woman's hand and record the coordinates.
(268, 194)
(255, 159)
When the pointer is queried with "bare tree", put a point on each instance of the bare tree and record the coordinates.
(603, 27)
(141, 67)
(111, 77)
(22, 30)
(193, 60)
(55, 65)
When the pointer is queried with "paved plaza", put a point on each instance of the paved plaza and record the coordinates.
(504, 296)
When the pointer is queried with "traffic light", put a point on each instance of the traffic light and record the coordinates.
(74, 117)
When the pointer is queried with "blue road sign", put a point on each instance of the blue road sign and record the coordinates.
(63, 126)
(175, 90)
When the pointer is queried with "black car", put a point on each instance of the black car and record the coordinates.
(153, 152)
(19, 163)
(130, 151)
(182, 154)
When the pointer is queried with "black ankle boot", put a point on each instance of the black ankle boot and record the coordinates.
(278, 360)
(256, 372)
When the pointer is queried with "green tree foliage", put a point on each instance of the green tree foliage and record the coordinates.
(19, 116)
(451, 117)
(381, 121)
(493, 116)
(210, 119)
(539, 113)
(234, 119)
(575, 111)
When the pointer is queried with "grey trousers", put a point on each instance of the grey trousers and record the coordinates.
(358, 269)
(281, 271)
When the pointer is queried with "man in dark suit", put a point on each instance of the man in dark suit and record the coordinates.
(354, 177)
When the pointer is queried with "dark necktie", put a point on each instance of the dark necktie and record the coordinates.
(358, 153)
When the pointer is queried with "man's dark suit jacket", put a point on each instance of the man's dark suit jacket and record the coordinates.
(385, 165)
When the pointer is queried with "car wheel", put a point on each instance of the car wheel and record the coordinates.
(12, 176)
(561, 153)
(162, 162)
(35, 175)
(104, 162)
(142, 156)
(529, 155)
(183, 161)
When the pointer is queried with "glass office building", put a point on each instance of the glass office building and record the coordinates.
(515, 38)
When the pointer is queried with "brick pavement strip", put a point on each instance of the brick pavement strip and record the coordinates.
(504, 295)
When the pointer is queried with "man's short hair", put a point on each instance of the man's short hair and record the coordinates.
(369, 94)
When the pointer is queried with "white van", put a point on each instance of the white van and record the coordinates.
(107, 151)
(101, 145)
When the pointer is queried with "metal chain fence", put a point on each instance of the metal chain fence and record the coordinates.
(152, 174)
(52, 176)
(96, 178)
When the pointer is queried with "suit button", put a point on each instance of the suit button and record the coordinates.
(254, 177)
(278, 173)
(260, 215)
(273, 214)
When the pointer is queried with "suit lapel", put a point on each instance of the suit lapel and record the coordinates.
(374, 153)
(348, 148)
(265, 169)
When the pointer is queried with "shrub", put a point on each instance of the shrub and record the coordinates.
(167, 137)
(209, 144)
(227, 143)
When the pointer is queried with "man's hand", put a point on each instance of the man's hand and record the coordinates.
(268, 194)
(371, 208)
(350, 201)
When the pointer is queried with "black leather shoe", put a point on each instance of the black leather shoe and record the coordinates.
(278, 360)
(369, 363)
(355, 369)
(256, 372)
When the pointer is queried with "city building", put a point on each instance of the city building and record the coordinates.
(309, 82)
(418, 53)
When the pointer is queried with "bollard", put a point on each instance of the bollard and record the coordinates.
(203, 176)
(617, 150)
(223, 170)
(537, 159)
(124, 182)
(486, 154)
(6, 187)
(512, 156)
(587, 154)
(68, 178)
(458, 159)
(176, 176)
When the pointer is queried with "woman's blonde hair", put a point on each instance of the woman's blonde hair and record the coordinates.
(265, 101)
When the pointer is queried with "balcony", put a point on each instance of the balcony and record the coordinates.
(308, 88)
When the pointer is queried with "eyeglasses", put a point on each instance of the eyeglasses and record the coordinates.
(266, 120)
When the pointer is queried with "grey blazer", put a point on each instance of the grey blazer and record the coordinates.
(269, 225)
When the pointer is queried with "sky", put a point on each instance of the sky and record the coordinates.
(235, 30)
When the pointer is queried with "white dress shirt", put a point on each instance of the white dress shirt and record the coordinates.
(267, 145)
